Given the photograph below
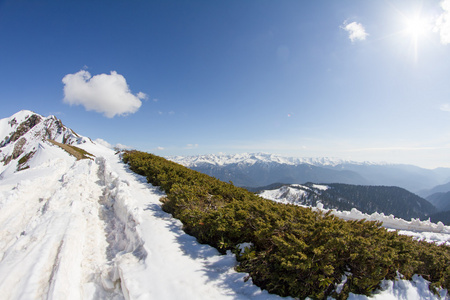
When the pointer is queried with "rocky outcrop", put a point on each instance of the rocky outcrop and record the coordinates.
(18, 150)
(24, 127)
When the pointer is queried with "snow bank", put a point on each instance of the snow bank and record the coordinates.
(125, 242)
(288, 195)
(394, 223)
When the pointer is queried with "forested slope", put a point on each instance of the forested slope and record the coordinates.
(367, 199)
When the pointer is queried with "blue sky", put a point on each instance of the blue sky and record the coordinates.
(361, 80)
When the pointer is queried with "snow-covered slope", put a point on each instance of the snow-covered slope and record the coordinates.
(92, 229)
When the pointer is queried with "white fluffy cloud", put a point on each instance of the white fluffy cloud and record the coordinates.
(103, 143)
(103, 93)
(355, 31)
(443, 23)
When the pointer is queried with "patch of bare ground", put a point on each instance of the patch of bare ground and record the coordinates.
(78, 153)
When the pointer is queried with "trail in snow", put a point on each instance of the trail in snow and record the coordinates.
(53, 240)
(169, 264)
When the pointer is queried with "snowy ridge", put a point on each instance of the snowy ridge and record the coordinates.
(253, 158)
(285, 194)
(24, 133)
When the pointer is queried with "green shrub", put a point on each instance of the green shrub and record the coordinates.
(295, 251)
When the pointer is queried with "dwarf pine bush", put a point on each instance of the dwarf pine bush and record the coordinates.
(295, 251)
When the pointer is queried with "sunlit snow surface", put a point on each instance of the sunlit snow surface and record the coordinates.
(92, 229)
(95, 230)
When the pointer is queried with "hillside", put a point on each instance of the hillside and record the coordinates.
(367, 199)
(440, 200)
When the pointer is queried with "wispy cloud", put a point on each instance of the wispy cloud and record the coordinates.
(122, 147)
(443, 23)
(191, 146)
(445, 107)
(384, 149)
(356, 31)
(103, 93)
(142, 96)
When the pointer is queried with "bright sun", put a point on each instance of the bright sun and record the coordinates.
(415, 26)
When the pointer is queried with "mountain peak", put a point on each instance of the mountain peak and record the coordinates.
(23, 133)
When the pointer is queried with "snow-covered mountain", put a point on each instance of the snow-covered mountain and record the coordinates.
(91, 229)
(249, 159)
(261, 169)
(25, 136)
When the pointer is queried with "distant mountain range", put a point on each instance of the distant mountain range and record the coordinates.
(261, 169)
(367, 199)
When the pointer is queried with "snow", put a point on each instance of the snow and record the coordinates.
(415, 225)
(92, 229)
(286, 194)
(6, 126)
(320, 187)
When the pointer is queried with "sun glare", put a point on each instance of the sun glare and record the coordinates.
(415, 26)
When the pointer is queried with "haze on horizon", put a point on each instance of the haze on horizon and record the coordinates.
(366, 81)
